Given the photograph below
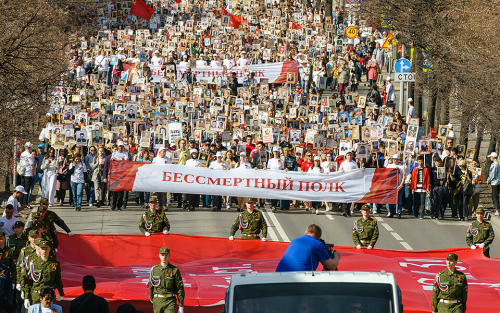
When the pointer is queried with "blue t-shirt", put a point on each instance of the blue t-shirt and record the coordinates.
(303, 254)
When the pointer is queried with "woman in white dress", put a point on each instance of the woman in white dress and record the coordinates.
(243, 165)
(49, 168)
(315, 169)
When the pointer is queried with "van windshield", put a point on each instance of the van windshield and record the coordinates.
(314, 298)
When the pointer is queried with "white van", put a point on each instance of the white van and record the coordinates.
(313, 292)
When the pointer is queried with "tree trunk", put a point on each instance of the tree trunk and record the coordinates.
(464, 130)
(431, 110)
(479, 140)
(328, 7)
(417, 90)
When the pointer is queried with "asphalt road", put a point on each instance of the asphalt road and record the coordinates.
(407, 233)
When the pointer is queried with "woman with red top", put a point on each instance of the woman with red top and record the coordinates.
(420, 186)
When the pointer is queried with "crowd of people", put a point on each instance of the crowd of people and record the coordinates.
(139, 90)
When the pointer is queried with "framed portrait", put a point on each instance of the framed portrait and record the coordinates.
(290, 78)
(319, 141)
(449, 164)
(441, 172)
(469, 155)
(414, 122)
(204, 158)
(362, 151)
(443, 131)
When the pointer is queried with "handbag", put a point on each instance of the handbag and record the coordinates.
(468, 188)
(62, 177)
(377, 71)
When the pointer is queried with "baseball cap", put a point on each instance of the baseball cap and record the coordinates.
(37, 224)
(480, 210)
(243, 154)
(32, 233)
(161, 149)
(410, 100)
(44, 200)
(152, 199)
(38, 240)
(493, 154)
(191, 139)
(35, 215)
(18, 224)
(193, 151)
(218, 154)
(450, 125)
(250, 200)
(41, 145)
(21, 189)
(164, 250)
(2, 234)
(317, 158)
(28, 144)
(276, 149)
(395, 156)
(156, 51)
(365, 207)
(388, 78)
(120, 144)
(452, 256)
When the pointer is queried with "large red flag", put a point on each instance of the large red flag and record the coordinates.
(296, 25)
(141, 9)
(234, 20)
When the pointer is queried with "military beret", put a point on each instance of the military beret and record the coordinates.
(33, 233)
(2, 234)
(44, 244)
(480, 210)
(250, 200)
(452, 256)
(152, 199)
(164, 250)
(18, 224)
(365, 207)
(37, 224)
(44, 200)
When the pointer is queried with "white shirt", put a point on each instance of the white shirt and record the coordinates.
(193, 163)
(104, 63)
(201, 63)
(348, 166)
(326, 166)
(228, 63)
(315, 170)
(7, 226)
(218, 166)
(120, 156)
(183, 63)
(26, 161)
(389, 90)
(214, 63)
(156, 60)
(242, 62)
(15, 203)
(411, 114)
(78, 175)
(164, 160)
(275, 164)
(245, 165)
(451, 134)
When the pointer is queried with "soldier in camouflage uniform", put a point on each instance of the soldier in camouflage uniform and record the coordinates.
(27, 252)
(449, 294)
(365, 230)
(250, 222)
(7, 253)
(480, 234)
(153, 221)
(17, 242)
(165, 282)
(52, 217)
(43, 270)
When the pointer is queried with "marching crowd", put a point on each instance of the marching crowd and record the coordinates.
(185, 87)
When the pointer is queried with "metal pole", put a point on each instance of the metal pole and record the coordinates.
(15, 165)
(401, 93)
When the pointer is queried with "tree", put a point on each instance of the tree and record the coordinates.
(34, 36)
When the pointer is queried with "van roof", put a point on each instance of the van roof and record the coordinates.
(306, 277)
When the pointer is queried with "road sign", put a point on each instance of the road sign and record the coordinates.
(402, 66)
(352, 1)
(351, 32)
(389, 41)
(404, 77)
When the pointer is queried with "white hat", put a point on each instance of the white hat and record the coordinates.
(48, 114)
(193, 151)
(395, 156)
(243, 154)
(317, 158)
(388, 78)
(276, 149)
(185, 56)
(156, 51)
(120, 143)
(21, 189)
(218, 154)
(162, 148)
(450, 125)
(493, 154)
(120, 49)
(410, 100)
(28, 145)
(241, 52)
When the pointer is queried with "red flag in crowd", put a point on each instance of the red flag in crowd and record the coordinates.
(141, 9)
(257, 31)
(296, 25)
(234, 20)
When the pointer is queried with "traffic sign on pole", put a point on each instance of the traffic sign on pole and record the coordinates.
(402, 66)
(389, 41)
(404, 77)
(351, 31)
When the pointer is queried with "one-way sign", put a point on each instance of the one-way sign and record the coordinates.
(402, 66)
(404, 77)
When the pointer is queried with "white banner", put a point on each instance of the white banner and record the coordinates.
(275, 72)
(363, 185)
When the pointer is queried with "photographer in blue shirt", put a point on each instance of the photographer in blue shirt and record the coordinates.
(305, 253)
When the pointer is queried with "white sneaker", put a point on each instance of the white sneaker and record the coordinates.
(228, 206)
(169, 203)
(352, 212)
(375, 212)
(328, 209)
(317, 211)
(389, 214)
